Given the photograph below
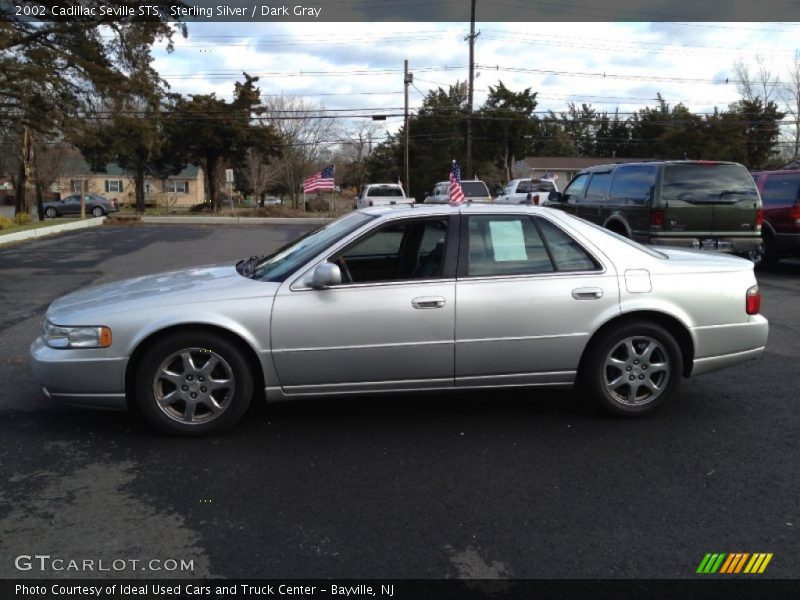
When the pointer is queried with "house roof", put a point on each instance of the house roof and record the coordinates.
(570, 163)
(81, 167)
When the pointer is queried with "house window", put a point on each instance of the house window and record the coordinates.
(113, 185)
(75, 186)
(178, 187)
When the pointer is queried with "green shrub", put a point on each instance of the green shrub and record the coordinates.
(22, 218)
(5, 222)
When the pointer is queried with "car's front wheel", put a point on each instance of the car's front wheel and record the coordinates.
(194, 383)
(632, 369)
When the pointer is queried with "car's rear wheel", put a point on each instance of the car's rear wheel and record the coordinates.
(631, 370)
(98, 211)
(194, 383)
(50, 212)
(769, 253)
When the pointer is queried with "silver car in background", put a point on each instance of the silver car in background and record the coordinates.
(406, 299)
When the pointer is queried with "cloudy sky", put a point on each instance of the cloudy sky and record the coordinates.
(357, 68)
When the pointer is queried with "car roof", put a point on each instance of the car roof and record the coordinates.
(610, 166)
(447, 209)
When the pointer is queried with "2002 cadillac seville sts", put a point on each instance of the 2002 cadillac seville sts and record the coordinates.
(406, 299)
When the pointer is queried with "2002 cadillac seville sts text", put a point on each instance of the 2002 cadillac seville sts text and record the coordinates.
(406, 299)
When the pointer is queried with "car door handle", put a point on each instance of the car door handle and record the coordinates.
(428, 302)
(587, 293)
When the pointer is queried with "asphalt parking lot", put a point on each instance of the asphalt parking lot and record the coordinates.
(521, 485)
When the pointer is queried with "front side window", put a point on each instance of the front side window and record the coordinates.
(505, 245)
(576, 188)
(401, 250)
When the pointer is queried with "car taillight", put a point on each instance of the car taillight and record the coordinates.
(657, 218)
(759, 217)
(794, 212)
(753, 301)
(535, 200)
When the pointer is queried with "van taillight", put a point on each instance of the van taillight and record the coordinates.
(753, 301)
(759, 217)
(794, 212)
(657, 218)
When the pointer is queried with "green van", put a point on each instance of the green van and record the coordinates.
(694, 204)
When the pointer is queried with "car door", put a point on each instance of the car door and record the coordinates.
(71, 205)
(528, 297)
(390, 327)
(594, 205)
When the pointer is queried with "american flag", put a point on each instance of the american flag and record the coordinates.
(320, 182)
(456, 193)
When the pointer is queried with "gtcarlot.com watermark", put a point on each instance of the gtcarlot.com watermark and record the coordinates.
(46, 563)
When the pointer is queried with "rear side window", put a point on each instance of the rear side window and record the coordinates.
(707, 182)
(566, 253)
(781, 189)
(632, 183)
(505, 245)
(598, 187)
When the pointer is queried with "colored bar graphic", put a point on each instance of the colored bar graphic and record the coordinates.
(729, 564)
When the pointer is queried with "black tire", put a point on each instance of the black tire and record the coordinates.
(98, 211)
(770, 254)
(632, 369)
(163, 373)
(50, 212)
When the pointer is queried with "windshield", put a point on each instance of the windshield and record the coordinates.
(474, 189)
(284, 261)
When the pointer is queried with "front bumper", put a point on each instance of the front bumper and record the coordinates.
(80, 377)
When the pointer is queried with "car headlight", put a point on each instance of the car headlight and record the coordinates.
(58, 336)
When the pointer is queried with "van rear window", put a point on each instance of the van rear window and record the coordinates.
(707, 182)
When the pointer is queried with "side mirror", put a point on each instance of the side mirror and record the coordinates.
(555, 197)
(324, 276)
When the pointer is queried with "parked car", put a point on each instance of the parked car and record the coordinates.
(94, 205)
(474, 190)
(401, 300)
(694, 204)
(382, 194)
(527, 191)
(780, 193)
(271, 201)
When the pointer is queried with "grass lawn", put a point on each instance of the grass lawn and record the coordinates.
(35, 224)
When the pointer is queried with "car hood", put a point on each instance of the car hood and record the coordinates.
(188, 286)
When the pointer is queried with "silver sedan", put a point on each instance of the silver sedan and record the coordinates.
(406, 299)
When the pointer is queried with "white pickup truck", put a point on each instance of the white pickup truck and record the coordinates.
(382, 194)
(527, 191)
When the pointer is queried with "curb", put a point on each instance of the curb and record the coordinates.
(238, 220)
(19, 236)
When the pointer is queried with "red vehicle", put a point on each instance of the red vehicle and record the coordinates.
(780, 193)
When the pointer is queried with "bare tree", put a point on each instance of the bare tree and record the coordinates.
(790, 94)
(758, 83)
(49, 161)
(257, 172)
(305, 131)
(356, 150)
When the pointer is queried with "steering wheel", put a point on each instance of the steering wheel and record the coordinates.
(346, 277)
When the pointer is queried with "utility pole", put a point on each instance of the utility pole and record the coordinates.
(408, 78)
(471, 38)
